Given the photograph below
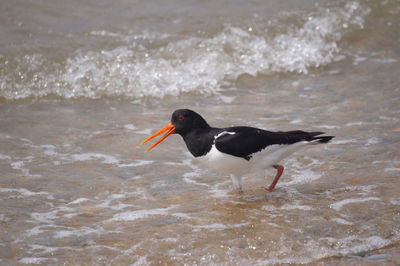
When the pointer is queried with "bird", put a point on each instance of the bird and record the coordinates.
(238, 149)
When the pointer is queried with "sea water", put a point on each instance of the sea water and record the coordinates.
(83, 82)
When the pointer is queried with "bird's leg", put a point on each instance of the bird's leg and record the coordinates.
(237, 183)
(279, 172)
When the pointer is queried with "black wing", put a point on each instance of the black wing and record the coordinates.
(249, 140)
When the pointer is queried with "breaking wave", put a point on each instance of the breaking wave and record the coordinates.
(205, 65)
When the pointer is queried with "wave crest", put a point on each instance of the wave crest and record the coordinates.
(203, 65)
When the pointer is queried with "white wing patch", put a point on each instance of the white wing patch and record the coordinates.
(223, 133)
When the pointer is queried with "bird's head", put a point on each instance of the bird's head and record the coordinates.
(183, 121)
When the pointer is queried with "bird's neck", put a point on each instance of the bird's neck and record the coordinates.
(199, 141)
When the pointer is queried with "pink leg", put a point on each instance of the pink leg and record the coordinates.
(276, 179)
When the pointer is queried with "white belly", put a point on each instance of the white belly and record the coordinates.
(228, 164)
(224, 163)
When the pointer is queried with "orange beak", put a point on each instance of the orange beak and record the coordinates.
(170, 128)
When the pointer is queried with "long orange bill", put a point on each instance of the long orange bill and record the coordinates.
(170, 128)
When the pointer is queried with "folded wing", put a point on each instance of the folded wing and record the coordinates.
(244, 141)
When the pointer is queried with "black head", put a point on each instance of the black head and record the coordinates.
(186, 120)
(183, 121)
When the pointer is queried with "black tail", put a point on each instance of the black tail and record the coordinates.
(309, 136)
(323, 139)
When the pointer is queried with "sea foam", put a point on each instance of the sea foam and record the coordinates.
(203, 64)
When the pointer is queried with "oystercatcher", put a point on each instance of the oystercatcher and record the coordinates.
(234, 150)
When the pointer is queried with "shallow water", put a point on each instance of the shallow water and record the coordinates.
(79, 94)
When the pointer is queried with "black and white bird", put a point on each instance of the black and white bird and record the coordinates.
(236, 150)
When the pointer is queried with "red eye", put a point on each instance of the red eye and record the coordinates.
(181, 117)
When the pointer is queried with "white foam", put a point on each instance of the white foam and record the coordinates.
(363, 189)
(218, 226)
(4, 218)
(136, 177)
(296, 121)
(32, 260)
(114, 206)
(146, 131)
(391, 169)
(359, 123)
(303, 176)
(140, 214)
(78, 201)
(141, 261)
(4, 157)
(372, 141)
(358, 59)
(107, 159)
(188, 178)
(24, 192)
(288, 206)
(97, 132)
(35, 230)
(18, 165)
(81, 231)
(136, 163)
(343, 141)
(192, 63)
(395, 201)
(342, 221)
(327, 126)
(170, 239)
(43, 249)
(217, 192)
(130, 127)
(361, 243)
(338, 205)
(181, 215)
(104, 33)
(49, 150)
(385, 60)
(387, 118)
(312, 249)
(227, 99)
(45, 217)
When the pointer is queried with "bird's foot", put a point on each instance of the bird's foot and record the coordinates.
(269, 189)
